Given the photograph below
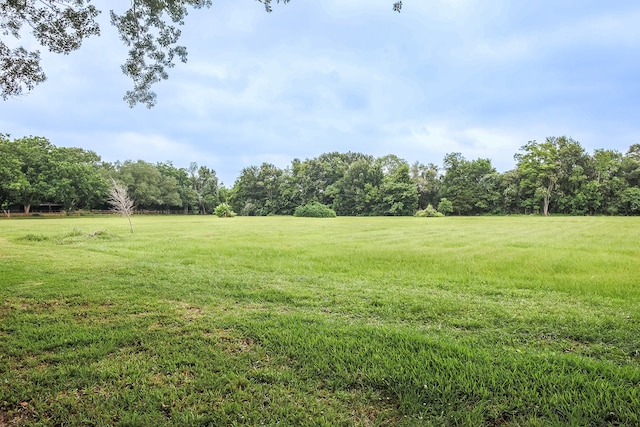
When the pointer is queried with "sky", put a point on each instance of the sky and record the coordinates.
(480, 78)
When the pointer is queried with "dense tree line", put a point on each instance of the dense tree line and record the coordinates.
(34, 172)
(556, 176)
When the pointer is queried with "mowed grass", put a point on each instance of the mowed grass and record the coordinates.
(347, 321)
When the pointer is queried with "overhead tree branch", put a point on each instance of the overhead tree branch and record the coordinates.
(148, 28)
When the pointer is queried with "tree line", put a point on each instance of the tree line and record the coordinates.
(556, 176)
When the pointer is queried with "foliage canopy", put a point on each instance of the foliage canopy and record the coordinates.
(149, 28)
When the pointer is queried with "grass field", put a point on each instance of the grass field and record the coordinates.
(347, 321)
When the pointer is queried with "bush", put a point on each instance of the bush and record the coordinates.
(223, 210)
(315, 210)
(429, 212)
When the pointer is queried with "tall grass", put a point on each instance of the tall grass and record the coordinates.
(294, 321)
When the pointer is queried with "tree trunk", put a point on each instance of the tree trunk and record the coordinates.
(130, 223)
(545, 208)
(27, 208)
(547, 200)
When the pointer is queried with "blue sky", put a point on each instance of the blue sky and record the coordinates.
(477, 77)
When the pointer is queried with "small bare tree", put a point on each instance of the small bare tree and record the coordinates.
(120, 201)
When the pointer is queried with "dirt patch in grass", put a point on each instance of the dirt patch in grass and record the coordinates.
(13, 419)
(188, 311)
(78, 312)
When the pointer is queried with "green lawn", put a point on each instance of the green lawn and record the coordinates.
(347, 321)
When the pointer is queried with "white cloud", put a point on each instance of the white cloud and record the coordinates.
(595, 31)
(430, 141)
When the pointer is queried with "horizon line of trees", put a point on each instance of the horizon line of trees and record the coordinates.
(556, 176)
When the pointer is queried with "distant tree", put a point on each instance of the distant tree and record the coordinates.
(628, 198)
(558, 171)
(510, 192)
(428, 182)
(34, 153)
(471, 186)
(290, 188)
(34, 171)
(316, 175)
(170, 188)
(630, 166)
(577, 192)
(398, 193)
(224, 193)
(73, 178)
(151, 186)
(608, 166)
(205, 187)
(149, 28)
(176, 187)
(358, 191)
(629, 201)
(390, 163)
(539, 168)
(445, 206)
(142, 180)
(257, 191)
(120, 201)
(246, 192)
(12, 177)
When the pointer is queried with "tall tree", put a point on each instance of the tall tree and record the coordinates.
(12, 177)
(511, 192)
(358, 191)
(34, 153)
(428, 183)
(607, 164)
(148, 186)
(324, 171)
(628, 199)
(257, 190)
(630, 167)
(205, 188)
(577, 189)
(73, 178)
(558, 171)
(176, 187)
(246, 194)
(292, 181)
(471, 186)
(390, 163)
(539, 168)
(398, 193)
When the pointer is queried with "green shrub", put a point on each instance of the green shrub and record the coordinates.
(429, 212)
(34, 237)
(315, 210)
(223, 210)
